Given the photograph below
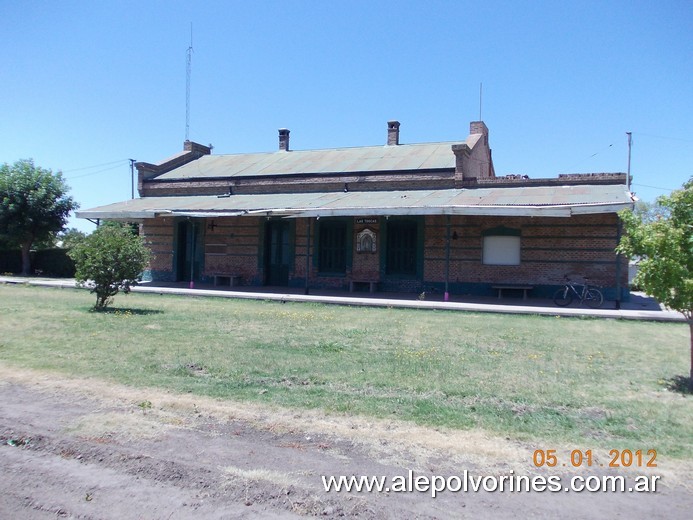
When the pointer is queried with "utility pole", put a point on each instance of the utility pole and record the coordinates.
(132, 178)
(619, 231)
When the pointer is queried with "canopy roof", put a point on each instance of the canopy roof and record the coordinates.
(555, 201)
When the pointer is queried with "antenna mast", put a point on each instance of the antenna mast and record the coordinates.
(188, 70)
(481, 89)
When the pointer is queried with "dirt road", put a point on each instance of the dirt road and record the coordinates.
(89, 449)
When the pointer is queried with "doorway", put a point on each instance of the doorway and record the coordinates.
(189, 253)
(278, 252)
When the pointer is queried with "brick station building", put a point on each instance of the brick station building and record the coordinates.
(395, 217)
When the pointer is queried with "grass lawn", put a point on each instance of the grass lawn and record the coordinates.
(583, 382)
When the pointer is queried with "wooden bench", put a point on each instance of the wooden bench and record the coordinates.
(372, 285)
(523, 288)
(221, 279)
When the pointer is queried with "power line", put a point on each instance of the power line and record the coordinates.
(567, 170)
(665, 137)
(99, 171)
(653, 187)
(94, 166)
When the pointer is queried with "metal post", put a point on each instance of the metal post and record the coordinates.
(132, 178)
(192, 254)
(630, 145)
(617, 305)
(446, 296)
(306, 290)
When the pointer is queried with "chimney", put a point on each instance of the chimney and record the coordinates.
(196, 148)
(283, 140)
(478, 127)
(392, 133)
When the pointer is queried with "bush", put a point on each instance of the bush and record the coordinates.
(10, 261)
(54, 262)
(109, 260)
(48, 262)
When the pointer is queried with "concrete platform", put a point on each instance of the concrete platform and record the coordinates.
(641, 307)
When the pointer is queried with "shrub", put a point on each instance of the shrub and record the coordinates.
(54, 262)
(109, 260)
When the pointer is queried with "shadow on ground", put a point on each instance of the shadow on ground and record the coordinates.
(127, 310)
(680, 384)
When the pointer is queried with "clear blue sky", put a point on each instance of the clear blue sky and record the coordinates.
(87, 85)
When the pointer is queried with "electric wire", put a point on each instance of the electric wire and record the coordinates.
(97, 172)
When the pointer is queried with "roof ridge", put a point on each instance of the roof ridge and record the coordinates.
(375, 146)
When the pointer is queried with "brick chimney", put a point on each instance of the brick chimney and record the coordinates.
(478, 127)
(283, 140)
(392, 133)
(196, 148)
(473, 158)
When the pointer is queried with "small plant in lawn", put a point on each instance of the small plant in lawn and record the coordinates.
(109, 260)
(145, 405)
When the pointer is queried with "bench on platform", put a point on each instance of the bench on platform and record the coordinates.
(523, 288)
(372, 285)
(226, 279)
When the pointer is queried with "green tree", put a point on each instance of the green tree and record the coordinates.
(70, 237)
(34, 205)
(109, 260)
(665, 248)
(650, 211)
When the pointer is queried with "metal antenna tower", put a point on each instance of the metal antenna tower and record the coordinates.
(188, 71)
(481, 90)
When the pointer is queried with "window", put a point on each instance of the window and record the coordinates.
(332, 247)
(401, 247)
(501, 247)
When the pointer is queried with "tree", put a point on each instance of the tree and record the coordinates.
(33, 205)
(109, 260)
(70, 237)
(665, 248)
(650, 211)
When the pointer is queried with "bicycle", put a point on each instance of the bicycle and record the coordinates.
(590, 295)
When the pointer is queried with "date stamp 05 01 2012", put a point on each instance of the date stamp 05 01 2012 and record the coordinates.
(585, 458)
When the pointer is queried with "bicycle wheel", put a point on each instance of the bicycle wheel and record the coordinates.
(594, 298)
(563, 297)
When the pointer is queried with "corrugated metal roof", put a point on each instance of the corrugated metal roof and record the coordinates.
(430, 156)
(535, 201)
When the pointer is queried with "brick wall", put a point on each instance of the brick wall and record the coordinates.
(551, 248)
(232, 246)
(158, 234)
(301, 184)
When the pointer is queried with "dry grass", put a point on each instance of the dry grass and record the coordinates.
(399, 443)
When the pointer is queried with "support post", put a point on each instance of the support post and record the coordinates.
(192, 254)
(619, 231)
(307, 289)
(446, 296)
